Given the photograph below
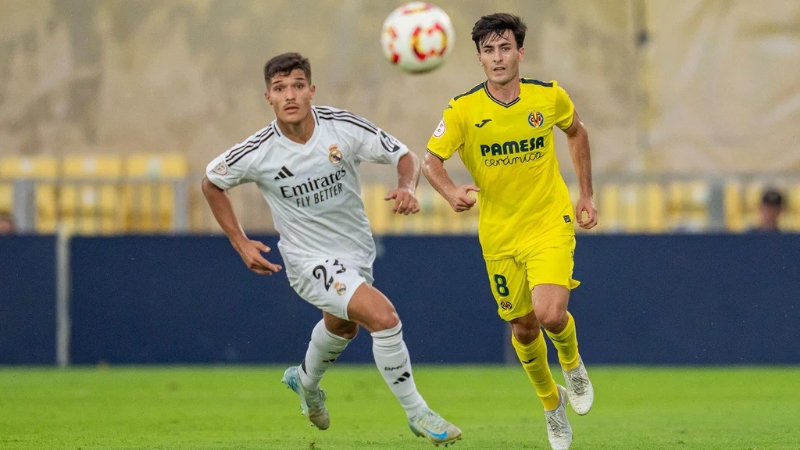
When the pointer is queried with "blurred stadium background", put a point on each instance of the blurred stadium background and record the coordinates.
(110, 110)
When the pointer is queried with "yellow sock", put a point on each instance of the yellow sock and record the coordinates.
(566, 343)
(533, 357)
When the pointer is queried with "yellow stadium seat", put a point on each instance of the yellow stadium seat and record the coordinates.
(751, 201)
(89, 200)
(631, 202)
(156, 166)
(373, 201)
(656, 208)
(791, 219)
(791, 214)
(609, 203)
(733, 207)
(6, 197)
(688, 205)
(148, 193)
(44, 169)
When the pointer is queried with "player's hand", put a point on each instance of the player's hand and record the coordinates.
(404, 201)
(250, 251)
(460, 200)
(586, 204)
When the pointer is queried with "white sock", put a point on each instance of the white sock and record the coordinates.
(322, 351)
(394, 363)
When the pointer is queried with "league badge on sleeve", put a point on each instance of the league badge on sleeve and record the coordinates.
(439, 129)
(221, 168)
(389, 142)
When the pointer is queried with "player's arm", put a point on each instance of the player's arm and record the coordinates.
(447, 139)
(249, 250)
(457, 196)
(578, 142)
(407, 180)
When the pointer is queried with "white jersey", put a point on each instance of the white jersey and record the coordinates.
(313, 189)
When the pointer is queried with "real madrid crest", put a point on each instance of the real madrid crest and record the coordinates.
(535, 119)
(334, 155)
(340, 287)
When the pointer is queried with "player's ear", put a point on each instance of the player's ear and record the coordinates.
(313, 90)
(521, 53)
(266, 96)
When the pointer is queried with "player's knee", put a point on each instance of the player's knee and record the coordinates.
(525, 334)
(382, 315)
(384, 320)
(372, 310)
(340, 327)
(346, 330)
(553, 320)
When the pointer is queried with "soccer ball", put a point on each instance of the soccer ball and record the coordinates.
(417, 37)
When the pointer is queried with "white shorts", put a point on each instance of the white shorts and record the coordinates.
(326, 282)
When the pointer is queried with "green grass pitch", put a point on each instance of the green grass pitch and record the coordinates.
(246, 407)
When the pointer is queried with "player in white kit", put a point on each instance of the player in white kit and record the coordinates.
(306, 165)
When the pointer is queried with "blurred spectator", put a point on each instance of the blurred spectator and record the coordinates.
(6, 224)
(769, 212)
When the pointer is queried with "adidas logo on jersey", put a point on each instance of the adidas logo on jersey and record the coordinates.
(284, 173)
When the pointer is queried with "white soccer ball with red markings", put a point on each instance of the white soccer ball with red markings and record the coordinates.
(417, 37)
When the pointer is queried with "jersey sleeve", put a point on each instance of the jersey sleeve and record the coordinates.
(377, 146)
(565, 110)
(230, 169)
(448, 137)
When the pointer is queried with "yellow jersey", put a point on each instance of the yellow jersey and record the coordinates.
(508, 149)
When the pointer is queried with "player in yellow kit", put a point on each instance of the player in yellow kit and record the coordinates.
(503, 131)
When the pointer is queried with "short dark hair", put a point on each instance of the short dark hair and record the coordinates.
(772, 197)
(494, 25)
(284, 64)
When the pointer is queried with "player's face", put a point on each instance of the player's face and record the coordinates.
(290, 96)
(500, 58)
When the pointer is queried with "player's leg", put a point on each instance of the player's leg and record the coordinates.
(511, 291)
(328, 340)
(531, 349)
(550, 274)
(329, 337)
(532, 352)
(560, 327)
(510, 288)
(371, 309)
(550, 303)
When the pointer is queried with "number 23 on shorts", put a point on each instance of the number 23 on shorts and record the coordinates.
(325, 272)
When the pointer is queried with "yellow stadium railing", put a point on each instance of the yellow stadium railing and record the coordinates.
(148, 193)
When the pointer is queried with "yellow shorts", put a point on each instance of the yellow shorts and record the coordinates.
(549, 261)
